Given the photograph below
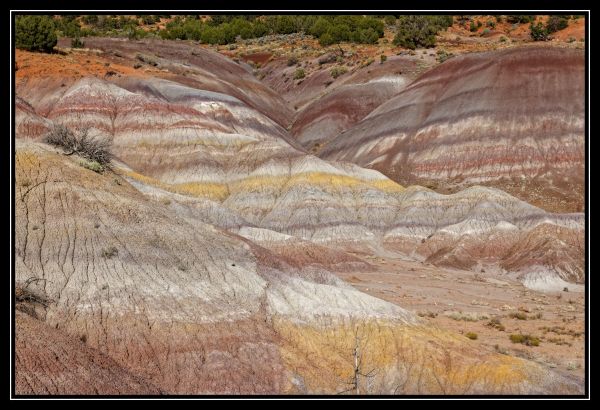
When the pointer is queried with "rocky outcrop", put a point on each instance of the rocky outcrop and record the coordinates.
(512, 119)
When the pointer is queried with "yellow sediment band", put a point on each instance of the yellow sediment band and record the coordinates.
(425, 360)
(219, 192)
(212, 191)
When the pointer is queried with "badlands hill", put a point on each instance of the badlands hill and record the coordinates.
(512, 119)
(204, 260)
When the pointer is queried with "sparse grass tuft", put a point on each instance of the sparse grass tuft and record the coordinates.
(338, 71)
(496, 324)
(558, 341)
(523, 316)
(518, 315)
(500, 350)
(527, 340)
(368, 62)
(443, 55)
(471, 335)
(560, 330)
(109, 252)
(92, 166)
(466, 316)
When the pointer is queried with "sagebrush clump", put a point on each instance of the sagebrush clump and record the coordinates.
(337, 71)
(299, 74)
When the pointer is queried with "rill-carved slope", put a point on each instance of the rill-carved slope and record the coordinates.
(190, 308)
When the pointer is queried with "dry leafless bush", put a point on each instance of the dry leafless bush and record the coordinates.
(27, 299)
(81, 143)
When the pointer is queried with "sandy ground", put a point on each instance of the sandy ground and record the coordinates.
(465, 302)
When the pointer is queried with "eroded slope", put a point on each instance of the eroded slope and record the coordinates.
(512, 119)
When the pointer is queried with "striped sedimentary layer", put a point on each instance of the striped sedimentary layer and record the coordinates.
(513, 119)
(28, 124)
(345, 100)
(340, 109)
(210, 146)
(202, 261)
(188, 64)
(188, 307)
(184, 304)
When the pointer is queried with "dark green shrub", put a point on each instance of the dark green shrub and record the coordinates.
(382, 58)
(556, 23)
(520, 18)
(472, 26)
(319, 27)
(150, 19)
(538, 32)
(326, 39)
(389, 20)
(91, 19)
(284, 24)
(68, 26)
(224, 29)
(298, 74)
(35, 33)
(420, 31)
